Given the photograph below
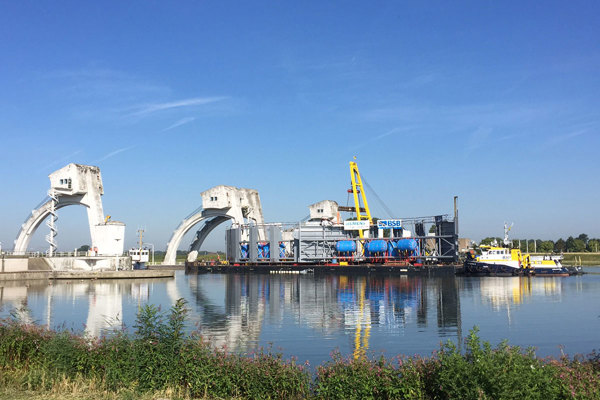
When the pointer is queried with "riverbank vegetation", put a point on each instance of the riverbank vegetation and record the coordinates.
(159, 256)
(580, 244)
(158, 360)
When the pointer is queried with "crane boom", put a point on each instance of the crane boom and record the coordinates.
(357, 187)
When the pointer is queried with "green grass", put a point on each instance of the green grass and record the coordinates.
(586, 258)
(181, 258)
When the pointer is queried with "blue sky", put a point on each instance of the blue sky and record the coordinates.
(496, 102)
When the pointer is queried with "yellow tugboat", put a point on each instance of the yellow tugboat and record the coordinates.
(504, 261)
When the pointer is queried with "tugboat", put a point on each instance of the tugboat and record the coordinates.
(503, 261)
(546, 265)
(496, 260)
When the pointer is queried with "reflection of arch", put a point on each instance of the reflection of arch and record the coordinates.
(38, 216)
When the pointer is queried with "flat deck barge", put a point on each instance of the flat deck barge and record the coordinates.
(201, 267)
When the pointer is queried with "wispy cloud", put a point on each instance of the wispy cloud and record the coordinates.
(381, 136)
(100, 85)
(196, 101)
(62, 160)
(114, 153)
(561, 138)
(478, 138)
(182, 121)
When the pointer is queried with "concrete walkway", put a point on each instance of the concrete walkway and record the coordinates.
(45, 275)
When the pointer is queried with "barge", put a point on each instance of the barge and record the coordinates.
(327, 242)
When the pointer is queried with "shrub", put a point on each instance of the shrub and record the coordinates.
(367, 378)
(484, 373)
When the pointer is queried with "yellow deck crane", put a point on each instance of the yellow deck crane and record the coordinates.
(361, 335)
(357, 188)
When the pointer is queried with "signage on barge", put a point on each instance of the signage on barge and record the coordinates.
(389, 224)
(356, 225)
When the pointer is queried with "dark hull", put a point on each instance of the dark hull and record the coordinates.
(557, 271)
(481, 268)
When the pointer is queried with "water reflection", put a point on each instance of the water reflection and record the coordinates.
(502, 292)
(327, 304)
(60, 303)
(301, 313)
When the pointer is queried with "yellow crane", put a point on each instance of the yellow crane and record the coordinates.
(357, 188)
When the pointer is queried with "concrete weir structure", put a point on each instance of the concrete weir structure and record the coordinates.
(76, 184)
(219, 204)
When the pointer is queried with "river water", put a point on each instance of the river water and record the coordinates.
(308, 316)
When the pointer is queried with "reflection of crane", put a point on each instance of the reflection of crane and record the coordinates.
(357, 187)
(360, 349)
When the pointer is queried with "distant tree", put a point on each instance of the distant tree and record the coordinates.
(545, 246)
(432, 229)
(593, 245)
(583, 237)
(523, 246)
(579, 246)
(488, 241)
(85, 247)
(570, 244)
(560, 246)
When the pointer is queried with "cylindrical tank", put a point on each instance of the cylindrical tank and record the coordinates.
(377, 246)
(264, 250)
(407, 244)
(344, 246)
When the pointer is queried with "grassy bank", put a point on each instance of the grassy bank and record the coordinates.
(157, 360)
(586, 258)
(574, 258)
(159, 257)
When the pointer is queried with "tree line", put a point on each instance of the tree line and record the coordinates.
(579, 244)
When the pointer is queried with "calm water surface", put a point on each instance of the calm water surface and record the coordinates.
(309, 316)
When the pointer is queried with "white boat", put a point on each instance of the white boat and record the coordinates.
(139, 257)
(546, 265)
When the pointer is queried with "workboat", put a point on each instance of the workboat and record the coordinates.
(495, 260)
(546, 265)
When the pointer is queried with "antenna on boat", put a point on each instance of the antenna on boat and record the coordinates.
(506, 230)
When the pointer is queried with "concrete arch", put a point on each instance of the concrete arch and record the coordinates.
(205, 231)
(214, 218)
(219, 204)
(75, 184)
(38, 216)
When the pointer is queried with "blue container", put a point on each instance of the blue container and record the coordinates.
(344, 246)
(244, 247)
(407, 244)
(281, 250)
(377, 246)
